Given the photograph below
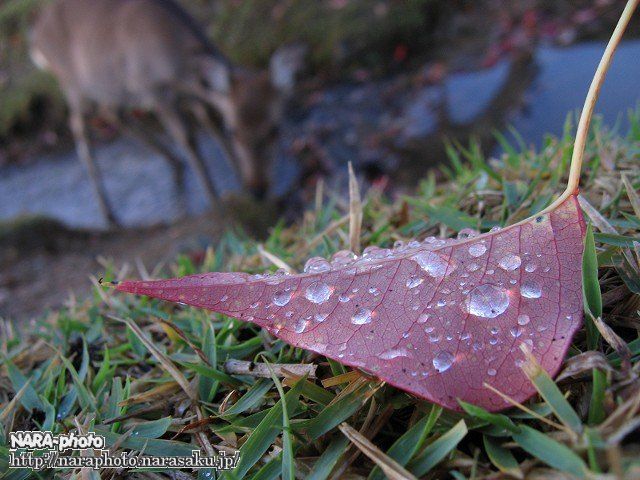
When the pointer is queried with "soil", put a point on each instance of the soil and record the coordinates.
(46, 265)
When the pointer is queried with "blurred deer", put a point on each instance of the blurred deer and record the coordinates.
(121, 55)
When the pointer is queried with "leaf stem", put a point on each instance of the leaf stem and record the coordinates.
(589, 105)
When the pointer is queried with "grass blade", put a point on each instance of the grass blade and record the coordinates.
(408, 444)
(502, 458)
(550, 452)
(438, 450)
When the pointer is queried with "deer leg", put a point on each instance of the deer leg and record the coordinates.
(172, 122)
(78, 128)
(145, 136)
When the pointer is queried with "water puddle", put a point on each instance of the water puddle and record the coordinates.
(391, 123)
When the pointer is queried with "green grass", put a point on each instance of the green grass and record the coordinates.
(147, 385)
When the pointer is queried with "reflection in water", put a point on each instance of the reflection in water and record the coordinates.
(393, 124)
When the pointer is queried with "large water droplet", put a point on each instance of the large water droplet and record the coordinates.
(477, 250)
(317, 265)
(487, 301)
(414, 281)
(362, 316)
(530, 289)
(443, 361)
(318, 292)
(281, 298)
(394, 353)
(510, 262)
(431, 263)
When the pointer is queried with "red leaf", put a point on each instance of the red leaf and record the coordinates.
(437, 318)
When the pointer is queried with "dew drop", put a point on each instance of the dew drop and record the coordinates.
(492, 372)
(431, 263)
(477, 250)
(530, 267)
(342, 258)
(362, 316)
(443, 361)
(414, 281)
(399, 245)
(487, 301)
(510, 262)
(281, 298)
(394, 353)
(515, 332)
(423, 318)
(320, 317)
(300, 325)
(344, 298)
(224, 298)
(530, 289)
(523, 319)
(472, 267)
(317, 265)
(318, 292)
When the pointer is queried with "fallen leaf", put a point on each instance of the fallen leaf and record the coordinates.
(445, 319)
(437, 318)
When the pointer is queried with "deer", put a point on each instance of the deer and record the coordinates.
(117, 57)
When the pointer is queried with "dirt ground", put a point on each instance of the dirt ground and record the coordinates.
(45, 265)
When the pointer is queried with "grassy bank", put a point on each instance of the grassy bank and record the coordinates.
(82, 368)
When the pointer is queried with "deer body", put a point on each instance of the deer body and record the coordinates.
(119, 55)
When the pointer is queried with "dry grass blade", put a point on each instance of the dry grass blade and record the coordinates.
(355, 212)
(278, 262)
(390, 467)
(159, 392)
(584, 364)
(317, 240)
(6, 411)
(617, 343)
(596, 217)
(523, 408)
(319, 196)
(634, 198)
(166, 363)
(340, 379)
(184, 337)
(262, 370)
(604, 226)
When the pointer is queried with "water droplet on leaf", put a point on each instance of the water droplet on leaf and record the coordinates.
(510, 262)
(318, 292)
(361, 316)
(443, 361)
(281, 298)
(487, 301)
